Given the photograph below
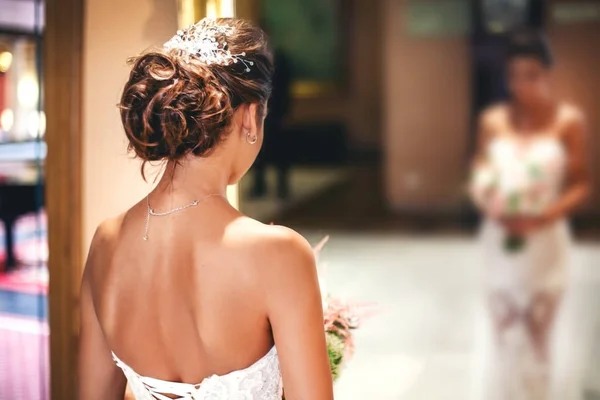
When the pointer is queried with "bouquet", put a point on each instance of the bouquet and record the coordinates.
(340, 319)
(519, 189)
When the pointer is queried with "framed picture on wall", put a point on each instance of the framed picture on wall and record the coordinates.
(504, 15)
(312, 35)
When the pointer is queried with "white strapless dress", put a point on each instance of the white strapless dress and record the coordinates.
(261, 381)
(511, 368)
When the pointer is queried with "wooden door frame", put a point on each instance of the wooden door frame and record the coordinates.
(62, 87)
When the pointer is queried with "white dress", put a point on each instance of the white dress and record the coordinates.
(261, 381)
(513, 367)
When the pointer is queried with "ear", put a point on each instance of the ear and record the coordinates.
(249, 122)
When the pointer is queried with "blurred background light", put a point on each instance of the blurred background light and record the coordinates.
(6, 58)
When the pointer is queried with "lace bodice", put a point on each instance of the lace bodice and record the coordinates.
(516, 160)
(261, 381)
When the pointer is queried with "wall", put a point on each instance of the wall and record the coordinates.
(114, 30)
(577, 79)
(426, 100)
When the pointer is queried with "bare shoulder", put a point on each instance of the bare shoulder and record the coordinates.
(571, 125)
(281, 243)
(570, 115)
(269, 242)
(491, 122)
(493, 119)
(107, 232)
(274, 252)
(103, 243)
(495, 113)
(284, 267)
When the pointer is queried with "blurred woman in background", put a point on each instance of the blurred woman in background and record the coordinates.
(530, 174)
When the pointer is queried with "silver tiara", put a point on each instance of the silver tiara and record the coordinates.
(206, 42)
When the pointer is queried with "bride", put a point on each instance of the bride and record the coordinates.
(182, 296)
(535, 134)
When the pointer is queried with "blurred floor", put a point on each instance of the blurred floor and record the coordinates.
(421, 345)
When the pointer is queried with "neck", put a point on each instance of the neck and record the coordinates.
(194, 178)
(535, 113)
(536, 110)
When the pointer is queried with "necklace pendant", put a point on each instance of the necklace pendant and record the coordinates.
(145, 238)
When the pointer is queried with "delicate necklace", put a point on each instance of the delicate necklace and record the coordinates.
(150, 211)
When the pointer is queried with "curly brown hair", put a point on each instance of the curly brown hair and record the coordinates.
(172, 106)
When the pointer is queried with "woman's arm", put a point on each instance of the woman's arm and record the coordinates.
(484, 135)
(295, 312)
(479, 162)
(578, 187)
(99, 377)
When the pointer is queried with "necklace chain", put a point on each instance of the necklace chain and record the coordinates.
(150, 211)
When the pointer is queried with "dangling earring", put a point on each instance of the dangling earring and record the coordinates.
(252, 140)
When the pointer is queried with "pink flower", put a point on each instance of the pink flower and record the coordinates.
(342, 317)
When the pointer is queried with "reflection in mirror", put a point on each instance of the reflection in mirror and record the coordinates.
(518, 321)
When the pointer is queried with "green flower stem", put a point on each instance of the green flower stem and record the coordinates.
(514, 244)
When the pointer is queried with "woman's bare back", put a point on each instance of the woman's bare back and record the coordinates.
(187, 303)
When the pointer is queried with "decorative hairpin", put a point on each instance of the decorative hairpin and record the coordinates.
(205, 41)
